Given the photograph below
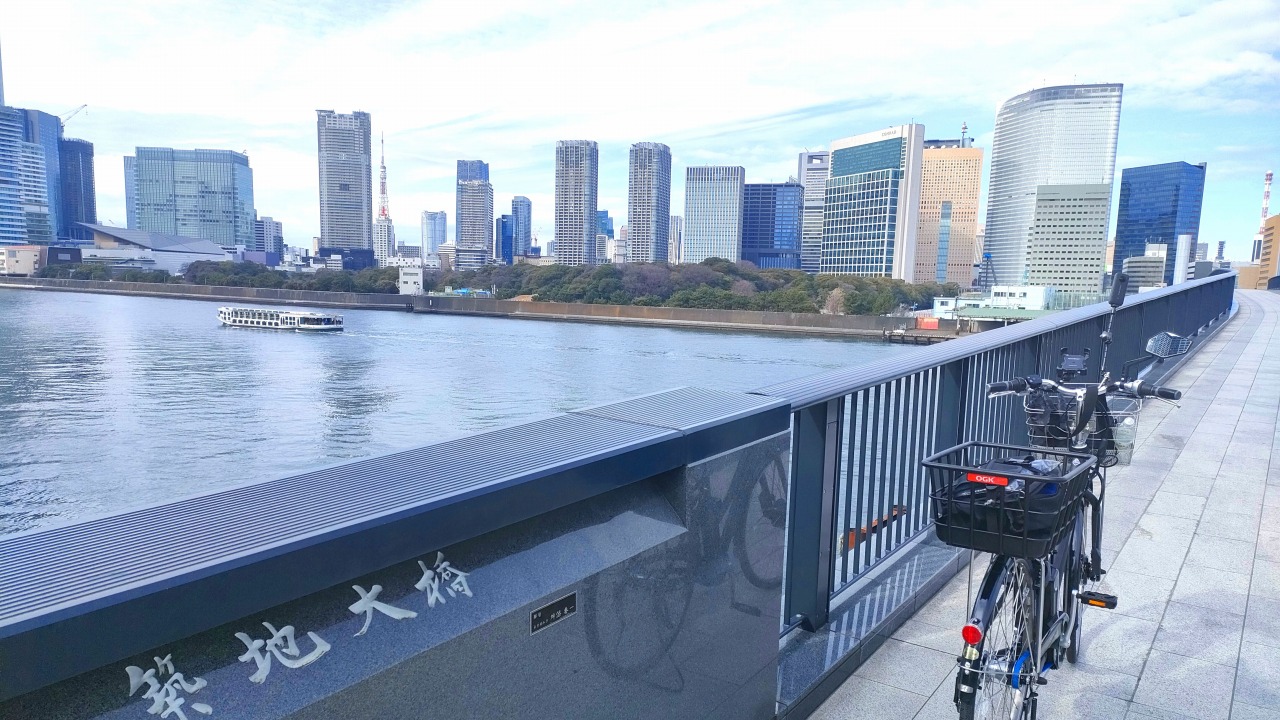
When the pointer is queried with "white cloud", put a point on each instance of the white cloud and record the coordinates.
(722, 81)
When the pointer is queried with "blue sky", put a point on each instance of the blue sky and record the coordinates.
(743, 82)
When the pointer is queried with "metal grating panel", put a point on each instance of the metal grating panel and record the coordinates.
(685, 409)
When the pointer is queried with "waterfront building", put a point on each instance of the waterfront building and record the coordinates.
(468, 171)
(577, 177)
(772, 221)
(384, 230)
(44, 131)
(206, 194)
(950, 185)
(410, 280)
(602, 248)
(648, 203)
(604, 223)
(1268, 253)
(434, 230)
(1061, 136)
(346, 179)
(13, 222)
(448, 254)
(871, 210)
(813, 172)
(79, 197)
(1158, 203)
(268, 235)
(674, 237)
(475, 225)
(1068, 237)
(504, 239)
(713, 198)
(35, 203)
(123, 248)
(521, 226)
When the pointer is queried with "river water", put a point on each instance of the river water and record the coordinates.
(108, 401)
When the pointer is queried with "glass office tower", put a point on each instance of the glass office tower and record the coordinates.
(1158, 203)
(772, 221)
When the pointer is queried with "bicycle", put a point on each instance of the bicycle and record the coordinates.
(1026, 506)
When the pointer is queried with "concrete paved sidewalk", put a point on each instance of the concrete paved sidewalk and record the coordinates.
(1192, 548)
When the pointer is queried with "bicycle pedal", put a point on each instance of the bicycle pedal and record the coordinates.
(1097, 599)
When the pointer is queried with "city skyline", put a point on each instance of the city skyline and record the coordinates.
(1202, 105)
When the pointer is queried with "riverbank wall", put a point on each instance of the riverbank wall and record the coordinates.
(869, 326)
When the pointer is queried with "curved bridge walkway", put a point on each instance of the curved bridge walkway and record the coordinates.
(1192, 546)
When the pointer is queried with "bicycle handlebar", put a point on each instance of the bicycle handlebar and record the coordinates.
(1136, 388)
(1141, 388)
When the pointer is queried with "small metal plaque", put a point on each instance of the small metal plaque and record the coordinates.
(553, 612)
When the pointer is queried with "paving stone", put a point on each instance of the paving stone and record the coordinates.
(1269, 545)
(907, 667)
(1201, 633)
(1168, 503)
(1140, 596)
(1262, 621)
(1116, 642)
(1258, 679)
(1241, 711)
(1220, 553)
(1266, 579)
(1091, 705)
(862, 698)
(1212, 589)
(1179, 684)
(934, 637)
(1083, 677)
(1232, 526)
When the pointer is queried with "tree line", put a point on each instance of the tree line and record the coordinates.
(715, 284)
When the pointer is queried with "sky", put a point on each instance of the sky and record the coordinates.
(734, 82)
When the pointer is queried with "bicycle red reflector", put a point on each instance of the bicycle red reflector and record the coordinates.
(988, 479)
(971, 634)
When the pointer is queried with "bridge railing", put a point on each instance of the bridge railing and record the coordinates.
(858, 492)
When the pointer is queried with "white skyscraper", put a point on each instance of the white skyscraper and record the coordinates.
(675, 239)
(872, 205)
(384, 230)
(475, 224)
(1055, 136)
(812, 173)
(346, 180)
(712, 213)
(268, 235)
(577, 177)
(648, 203)
(434, 230)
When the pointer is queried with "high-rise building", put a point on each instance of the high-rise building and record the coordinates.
(468, 170)
(475, 224)
(712, 213)
(1157, 204)
(1269, 253)
(604, 223)
(268, 235)
(522, 225)
(813, 171)
(504, 239)
(35, 203)
(577, 177)
(435, 228)
(45, 131)
(1060, 136)
(346, 179)
(772, 221)
(950, 184)
(871, 210)
(649, 203)
(206, 194)
(13, 222)
(79, 199)
(675, 239)
(130, 192)
(1068, 240)
(384, 230)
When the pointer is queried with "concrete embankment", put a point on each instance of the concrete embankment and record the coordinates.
(804, 323)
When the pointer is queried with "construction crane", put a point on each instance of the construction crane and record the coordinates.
(986, 274)
(66, 116)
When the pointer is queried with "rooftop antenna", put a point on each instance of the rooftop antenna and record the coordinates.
(383, 212)
(964, 134)
(1262, 226)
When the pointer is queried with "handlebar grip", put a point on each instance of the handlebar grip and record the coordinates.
(1146, 389)
(1168, 393)
(1015, 385)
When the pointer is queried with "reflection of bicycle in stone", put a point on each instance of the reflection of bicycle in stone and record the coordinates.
(635, 611)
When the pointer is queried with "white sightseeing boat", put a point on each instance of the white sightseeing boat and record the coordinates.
(279, 319)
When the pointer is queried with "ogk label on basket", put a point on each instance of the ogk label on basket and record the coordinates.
(988, 479)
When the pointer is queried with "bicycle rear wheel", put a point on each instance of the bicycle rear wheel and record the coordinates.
(1004, 662)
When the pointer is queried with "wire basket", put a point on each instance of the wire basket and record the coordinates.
(1006, 499)
(1112, 442)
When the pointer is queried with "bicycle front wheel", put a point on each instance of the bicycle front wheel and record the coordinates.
(1005, 668)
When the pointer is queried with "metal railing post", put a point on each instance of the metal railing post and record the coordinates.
(815, 460)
